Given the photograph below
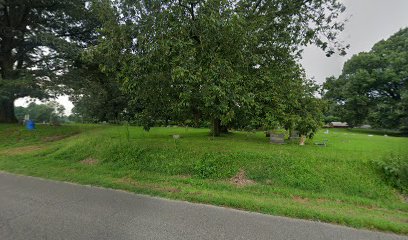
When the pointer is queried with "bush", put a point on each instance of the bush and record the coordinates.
(395, 170)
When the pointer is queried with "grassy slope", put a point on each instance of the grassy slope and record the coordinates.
(336, 184)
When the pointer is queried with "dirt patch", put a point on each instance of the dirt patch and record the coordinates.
(183, 176)
(151, 186)
(269, 182)
(300, 199)
(70, 170)
(241, 179)
(54, 138)
(22, 150)
(195, 193)
(169, 189)
(397, 219)
(90, 161)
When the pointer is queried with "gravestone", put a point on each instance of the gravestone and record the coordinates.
(294, 135)
(277, 138)
(322, 143)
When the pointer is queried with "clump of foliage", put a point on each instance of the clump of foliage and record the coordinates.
(395, 170)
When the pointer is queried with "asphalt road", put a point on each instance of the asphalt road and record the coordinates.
(32, 208)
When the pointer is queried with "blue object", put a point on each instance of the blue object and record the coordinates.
(30, 125)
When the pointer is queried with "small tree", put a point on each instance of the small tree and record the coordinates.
(310, 118)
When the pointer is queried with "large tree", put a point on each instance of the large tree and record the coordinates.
(373, 87)
(221, 61)
(39, 41)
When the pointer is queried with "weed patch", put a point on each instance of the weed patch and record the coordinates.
(394, 168)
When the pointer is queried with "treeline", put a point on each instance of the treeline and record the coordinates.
(373, 87)
(50, 112)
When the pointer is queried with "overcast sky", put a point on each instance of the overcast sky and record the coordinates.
(369, 22)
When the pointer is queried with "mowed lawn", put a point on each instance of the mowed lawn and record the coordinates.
(339, 183)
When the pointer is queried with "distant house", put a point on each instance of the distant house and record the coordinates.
(338, 125)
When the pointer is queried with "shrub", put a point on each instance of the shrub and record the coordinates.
(395, 170)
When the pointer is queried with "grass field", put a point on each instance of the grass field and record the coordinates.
(339, 183)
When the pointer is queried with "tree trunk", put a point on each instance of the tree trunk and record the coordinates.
(197, 117)
(7, 111)
(218, 128)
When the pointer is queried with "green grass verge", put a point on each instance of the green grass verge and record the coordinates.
(339, 183)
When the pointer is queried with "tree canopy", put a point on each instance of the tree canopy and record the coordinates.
(373, 86)
(39, 43)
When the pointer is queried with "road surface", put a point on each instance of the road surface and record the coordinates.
(32, 208)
